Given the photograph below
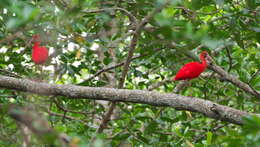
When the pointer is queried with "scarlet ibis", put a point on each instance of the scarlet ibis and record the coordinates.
(193, 69)
(39, 53)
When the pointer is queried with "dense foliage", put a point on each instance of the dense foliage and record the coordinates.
(86, 36)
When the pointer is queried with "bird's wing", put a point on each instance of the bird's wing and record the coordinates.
(186, 71)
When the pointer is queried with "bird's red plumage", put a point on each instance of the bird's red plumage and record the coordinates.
(39, 53)
(192, 70)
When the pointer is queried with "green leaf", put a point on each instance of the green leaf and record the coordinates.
(121, 136)
(220, 2)
(145, 140)
(212, 43)
(162, 20)
(252, 125)
(151, 127)
(209, 138)
(29, 12)
(13, 23)
(251, 4)
(107, 60)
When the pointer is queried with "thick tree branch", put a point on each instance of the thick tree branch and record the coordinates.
(208, 108)
(36, 124)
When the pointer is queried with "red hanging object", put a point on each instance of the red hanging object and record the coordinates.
(193, 69)
(39, 53)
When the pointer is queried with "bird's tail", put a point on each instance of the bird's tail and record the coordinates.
(174, 78)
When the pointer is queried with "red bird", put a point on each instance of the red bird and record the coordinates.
(193, 69)
(39, 53)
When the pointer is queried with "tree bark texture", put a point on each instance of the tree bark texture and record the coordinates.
(179, 102)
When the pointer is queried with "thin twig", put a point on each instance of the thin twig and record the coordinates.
(230, 59)
(132, 47)
(134, 42)
(206, 83)
(180, 86)
(67, 110)
(203, 135)
(196, 12)
(127, 13)
(66, 117)
(254, 75)
(11, 74)
(12, 37)
(116, 66)
(158, 84)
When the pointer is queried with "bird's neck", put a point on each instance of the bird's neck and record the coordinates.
(36, 45)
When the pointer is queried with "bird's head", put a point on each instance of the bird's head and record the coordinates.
(203, 54)
(36, 38)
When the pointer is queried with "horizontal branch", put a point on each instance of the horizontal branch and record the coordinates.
(127, 13)
(178, 102)
(117, 65)
(67, 117)
(11, 37)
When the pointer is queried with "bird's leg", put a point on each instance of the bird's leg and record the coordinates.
(179, 87)
(187, 84)
(40, 77)
(41, 72)
(37, 68)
